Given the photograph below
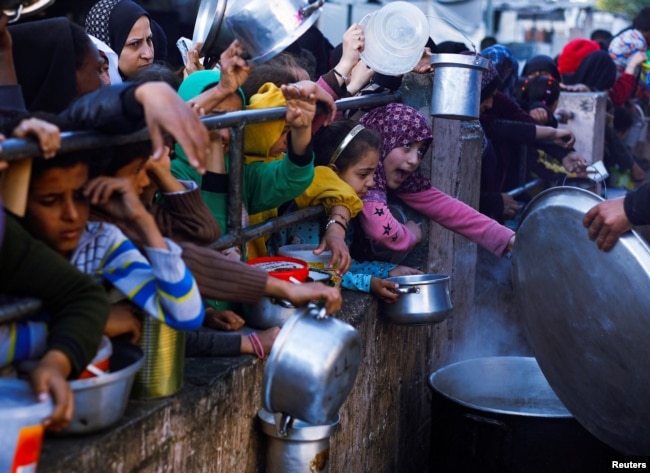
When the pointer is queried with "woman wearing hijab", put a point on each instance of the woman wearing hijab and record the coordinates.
(127, 29)
(506, 65)
(55, 63)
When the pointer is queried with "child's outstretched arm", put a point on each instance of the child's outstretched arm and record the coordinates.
(301, 109)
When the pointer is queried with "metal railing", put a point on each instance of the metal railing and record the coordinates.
(13, 149)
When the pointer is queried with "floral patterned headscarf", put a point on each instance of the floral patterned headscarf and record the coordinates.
(398, 125)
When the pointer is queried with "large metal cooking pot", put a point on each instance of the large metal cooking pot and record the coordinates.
(312, 367)
(499, 414)
(424, 299)
(15, 9)
(264, 28)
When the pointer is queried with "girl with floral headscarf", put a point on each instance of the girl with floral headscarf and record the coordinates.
(406, 137)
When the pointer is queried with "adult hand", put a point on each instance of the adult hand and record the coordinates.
(606, 222)
(49, 380)
(164, 111)
(510, 206)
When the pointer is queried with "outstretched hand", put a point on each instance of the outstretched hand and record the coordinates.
(606, 222)
(165, 111)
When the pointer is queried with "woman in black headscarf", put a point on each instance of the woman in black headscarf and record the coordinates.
(55, 62)
(127, 28)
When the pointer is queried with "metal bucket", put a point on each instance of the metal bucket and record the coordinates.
(456, 90)
(164, 359)
(303, 447)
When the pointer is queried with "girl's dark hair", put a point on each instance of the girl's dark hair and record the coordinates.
(623, 118)
(327, 140)
(158, 71)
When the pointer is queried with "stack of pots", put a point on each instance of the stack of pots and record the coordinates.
(308, 376)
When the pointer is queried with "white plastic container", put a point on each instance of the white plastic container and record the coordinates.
(22, 429)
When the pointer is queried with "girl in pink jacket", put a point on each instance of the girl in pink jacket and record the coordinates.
(406, 136)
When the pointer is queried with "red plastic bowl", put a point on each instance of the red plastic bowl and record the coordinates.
(282, 267)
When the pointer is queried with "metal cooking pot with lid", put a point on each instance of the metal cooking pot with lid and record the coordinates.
(264, 28)
(424, 299)
(312, 367)
(586, 316)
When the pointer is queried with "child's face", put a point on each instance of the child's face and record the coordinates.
(402, 161)
(136, 172)
(280, 147)
(57, 211)
(360, 175)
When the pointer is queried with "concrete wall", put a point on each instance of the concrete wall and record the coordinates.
(210, 425)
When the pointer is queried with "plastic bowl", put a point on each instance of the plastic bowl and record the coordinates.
(282, 267)
(395, 36)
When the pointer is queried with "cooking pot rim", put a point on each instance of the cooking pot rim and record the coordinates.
(458, 400)
(418, 279)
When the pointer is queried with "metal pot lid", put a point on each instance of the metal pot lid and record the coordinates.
(585, 315)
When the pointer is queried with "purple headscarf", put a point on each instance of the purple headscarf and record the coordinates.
(398, 125)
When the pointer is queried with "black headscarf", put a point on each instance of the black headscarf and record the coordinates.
(541, 63)
(597, 71)
(111, 21)
(45, 62)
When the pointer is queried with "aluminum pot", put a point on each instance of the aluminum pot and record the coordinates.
(268, 312)
(266, 28)
(499, 414)
(457, 85)
(312, 367)
(424, 299)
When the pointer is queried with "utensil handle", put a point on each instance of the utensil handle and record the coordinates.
(310, 8)
(407, 290)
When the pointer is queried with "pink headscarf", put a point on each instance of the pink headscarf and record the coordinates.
(398, 125)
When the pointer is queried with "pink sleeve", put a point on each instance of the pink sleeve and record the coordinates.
(459, 217)
(380, 226)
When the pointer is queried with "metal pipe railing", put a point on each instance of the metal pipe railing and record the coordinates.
(13, 149)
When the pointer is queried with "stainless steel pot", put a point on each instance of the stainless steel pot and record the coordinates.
(457, 85)
(312, 367)
(424, 299)
(268, 312)
(15, 9)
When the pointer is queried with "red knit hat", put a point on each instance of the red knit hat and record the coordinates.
(574, 52)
